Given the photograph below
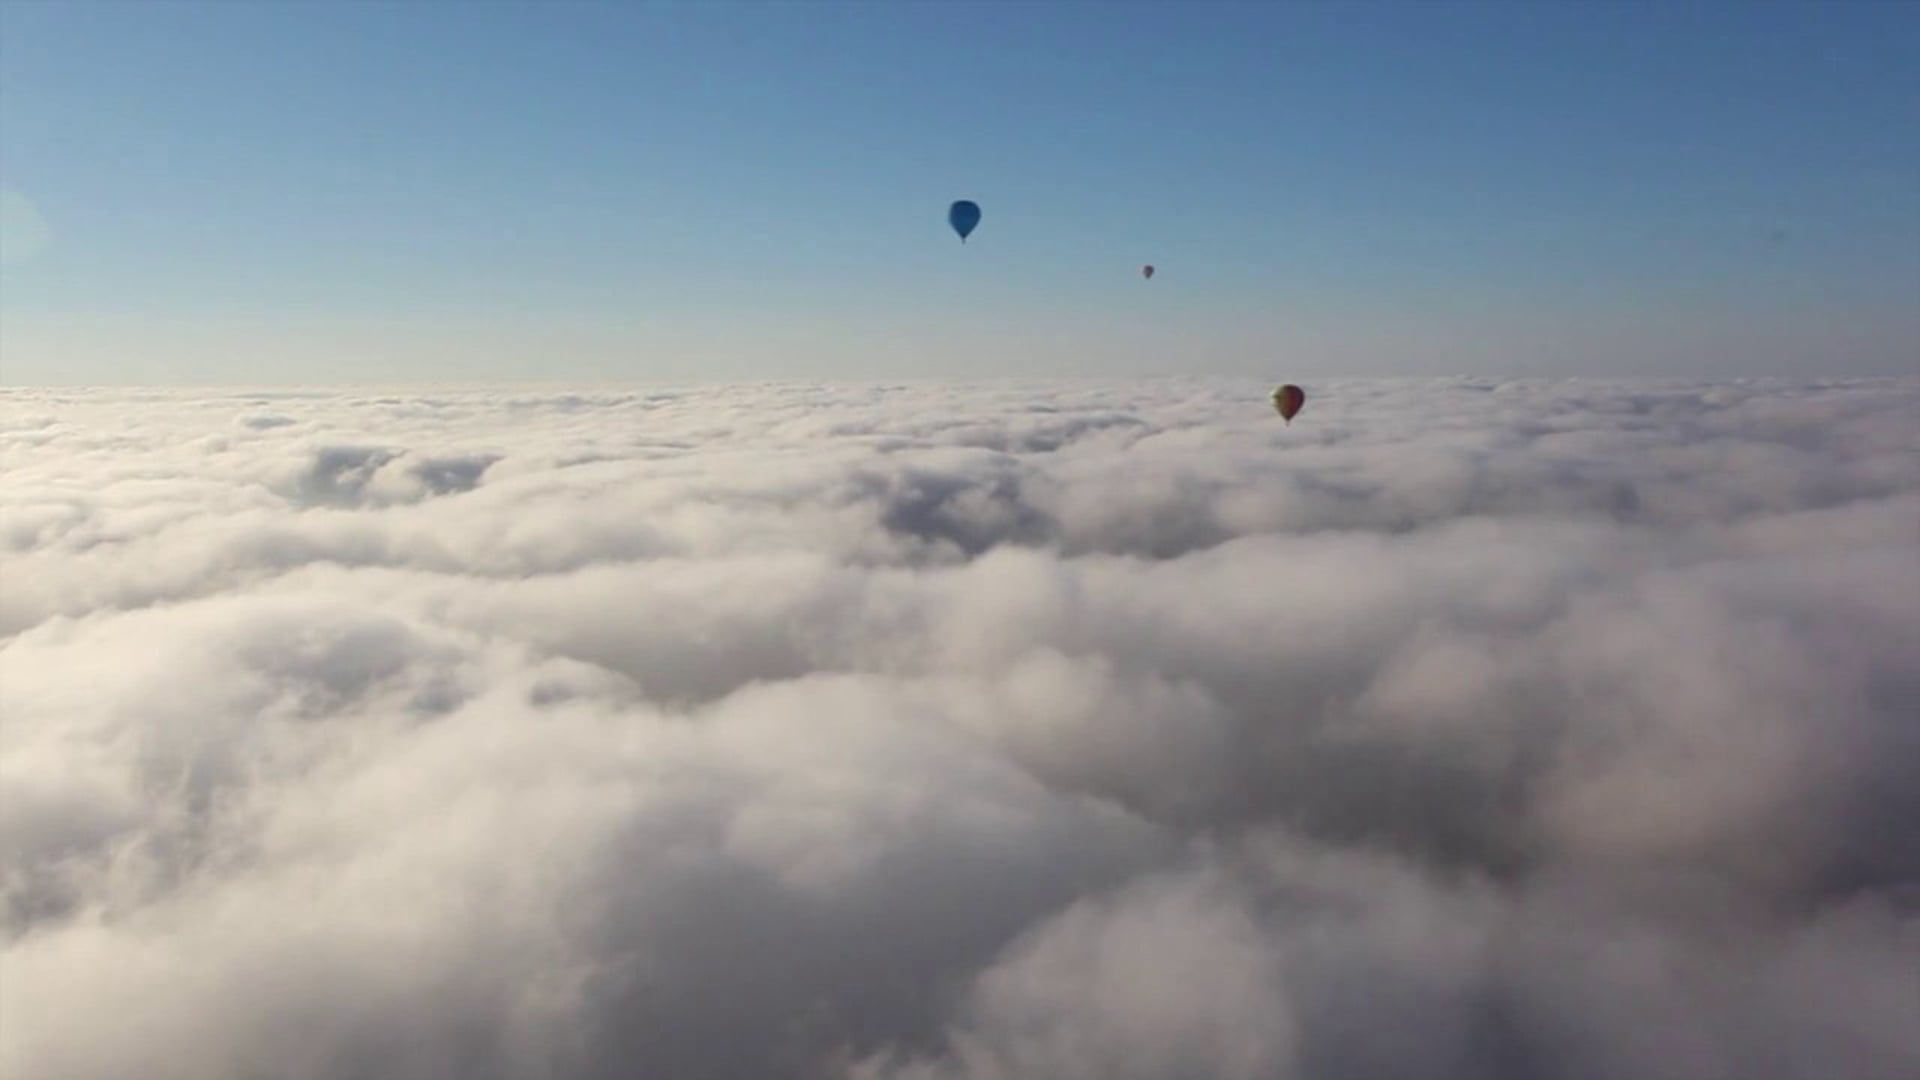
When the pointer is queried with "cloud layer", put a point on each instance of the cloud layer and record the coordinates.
(929, 732)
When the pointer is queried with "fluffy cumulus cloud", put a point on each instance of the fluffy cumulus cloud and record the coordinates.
(962, 732)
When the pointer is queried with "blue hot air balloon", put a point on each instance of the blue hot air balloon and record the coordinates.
(963, 216)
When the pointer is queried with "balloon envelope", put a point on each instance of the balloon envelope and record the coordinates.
(963, 216)
(1147, 271)
(1287, 401)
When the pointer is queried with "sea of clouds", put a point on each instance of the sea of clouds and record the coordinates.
(1461, 728)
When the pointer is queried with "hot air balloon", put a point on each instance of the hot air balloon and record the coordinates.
(1287, 401)
(963, 216)
(1147, 271)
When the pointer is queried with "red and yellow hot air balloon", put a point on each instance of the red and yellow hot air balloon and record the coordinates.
(1287, 401)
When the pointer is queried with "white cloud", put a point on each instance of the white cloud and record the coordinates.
(1092, 729)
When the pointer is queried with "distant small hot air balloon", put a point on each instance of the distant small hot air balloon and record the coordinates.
(1287, 401)
(963, 216)
(1147, 271)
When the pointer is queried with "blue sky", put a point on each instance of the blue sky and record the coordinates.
(320, 192)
